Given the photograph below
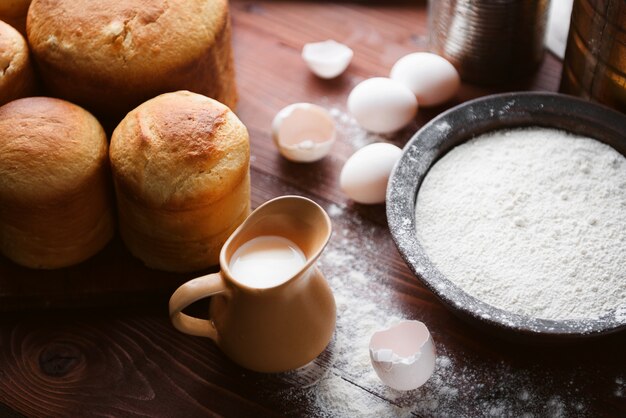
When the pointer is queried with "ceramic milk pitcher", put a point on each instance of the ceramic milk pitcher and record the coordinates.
(271, 308)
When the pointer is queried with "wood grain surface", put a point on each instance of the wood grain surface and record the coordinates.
(114, 353)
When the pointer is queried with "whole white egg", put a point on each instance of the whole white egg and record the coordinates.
(432, 78)
(382, 105)
(365, 175)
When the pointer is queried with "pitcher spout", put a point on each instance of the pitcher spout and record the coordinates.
(296, 218)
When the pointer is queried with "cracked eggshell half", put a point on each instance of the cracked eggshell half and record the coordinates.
(403, 355)
(303, 132)
(365, 175)
(382, 105)
(328, 59)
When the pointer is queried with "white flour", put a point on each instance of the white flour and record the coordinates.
(349, 130)
(530, 220)
(357, 136)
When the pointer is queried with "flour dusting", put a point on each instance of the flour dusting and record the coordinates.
(462, 384)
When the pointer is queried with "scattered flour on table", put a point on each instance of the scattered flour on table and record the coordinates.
(461, 386)
(620, 390)
(349, 130)
(363, 307)
(530, 220)
(341, 383)
(334, 210)
(348, 127)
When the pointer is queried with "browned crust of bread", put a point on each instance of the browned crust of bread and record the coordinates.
(182, 240)
(110, 56)
(47, 147)
(179, 150)
(55, 207)
(17, 78)
(180, 165)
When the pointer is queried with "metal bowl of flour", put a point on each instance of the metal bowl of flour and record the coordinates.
(454, 127)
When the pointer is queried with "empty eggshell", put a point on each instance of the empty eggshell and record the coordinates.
(365, 175)
(403, 355)
(382, 105)
(327, 59)
(432, 78)
(303, 132)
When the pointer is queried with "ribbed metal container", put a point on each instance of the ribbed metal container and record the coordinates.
(594, 66)
(489, 41)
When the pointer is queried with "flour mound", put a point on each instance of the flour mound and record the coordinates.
(530, 220)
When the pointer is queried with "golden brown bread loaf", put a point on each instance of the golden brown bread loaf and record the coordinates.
(109, 56)
(14, 13)
(16, 73)
(180, 167)
(54, 187)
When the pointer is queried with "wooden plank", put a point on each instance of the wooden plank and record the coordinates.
(131, 362)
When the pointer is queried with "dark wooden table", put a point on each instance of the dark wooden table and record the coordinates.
(103, 345)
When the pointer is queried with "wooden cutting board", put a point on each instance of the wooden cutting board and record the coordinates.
(112, 277)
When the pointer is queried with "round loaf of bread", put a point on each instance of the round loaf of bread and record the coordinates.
(16, 73)
(110, 56)
(14, 13)
(180, 167)
(54, 187)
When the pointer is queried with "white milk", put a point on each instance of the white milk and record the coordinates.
(266, 261)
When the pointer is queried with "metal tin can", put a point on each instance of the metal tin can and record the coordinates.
(594, 66)
(489, 41)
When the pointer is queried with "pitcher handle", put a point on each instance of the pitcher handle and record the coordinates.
(190, 292)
